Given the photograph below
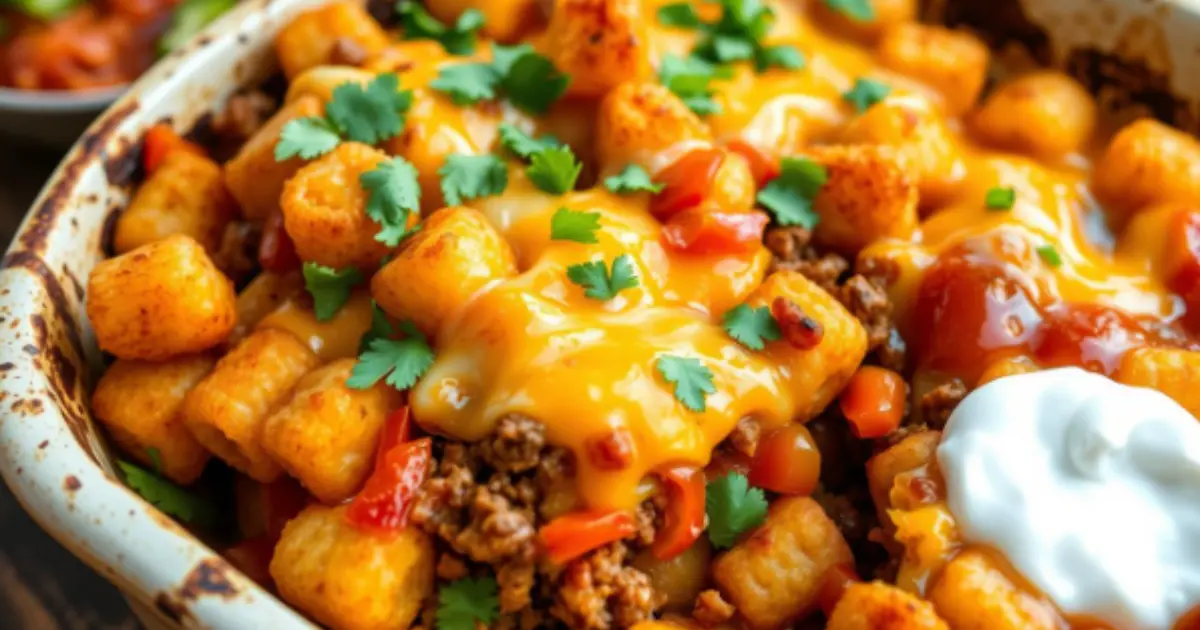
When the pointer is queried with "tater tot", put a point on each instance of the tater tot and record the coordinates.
(1043, 113)
(263, 295)
(322, 36)
(973, 592)
(321, 81)
(503, 20)
(887, 13)
(954, 63)
(327, 434)
(869, 196)
(352, 580)
(139, 402)
(184, 195)
(923, 141)
(599, 43)
(226, 411)
(253, 176)
(638, 121)
(324, 210)
(879, 606)
(1172, 371)
(438, 270)
(774, 575)
(909, 454)
(160, 300)
(817, 374)
(1146, 163)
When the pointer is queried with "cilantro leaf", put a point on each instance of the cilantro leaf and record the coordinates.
(464, 603)
(733, 508)
(369, 114)
(381, 328)
(790, 196)
(781, 56)
(306, 137)
(521, 144)
(401, 361)
(571, 225)
(688, 78)
(394, 195)
(155, 456)
(467, 83)
(866, 93)
(750, 326)
(859, 10)
(167, 497)
(1050, 255)
(598, 283)
(631, 179)
(417, 23)
(692, 379)
(999, 199)
(679, 14)
(533, 83)
(329, 288)
(554, 170)
(189, 18)
(467, 177)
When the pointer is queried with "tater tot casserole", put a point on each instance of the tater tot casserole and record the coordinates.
(666, 315)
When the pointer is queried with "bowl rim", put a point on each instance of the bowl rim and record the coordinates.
(58, 101)
(53, 464)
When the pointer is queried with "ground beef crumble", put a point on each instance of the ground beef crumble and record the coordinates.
(938, 403)
(244, 113)
(482, 504)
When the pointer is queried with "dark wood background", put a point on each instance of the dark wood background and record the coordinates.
(42, 586)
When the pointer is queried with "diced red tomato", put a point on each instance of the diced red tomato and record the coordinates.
(387, 496)
(787, 461)
(801, 331)
(687, 181)
(1090, 336)
(873, 401)
(834, 583)
(572, 535)
(764, 167)
(276, 252)
(698, 231)
(684, 519)
(160, 140)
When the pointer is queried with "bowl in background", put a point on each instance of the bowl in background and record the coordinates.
(52, 120)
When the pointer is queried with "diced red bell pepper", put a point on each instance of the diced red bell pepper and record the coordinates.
(276, 251)
(387, 496)
(160, 140)
(698, 231)
(687, 181)
(684, 519)
(572, 535)
(787, 461)
(873, 401)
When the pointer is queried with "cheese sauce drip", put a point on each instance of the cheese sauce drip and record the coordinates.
(535, 345)
(1091, 490)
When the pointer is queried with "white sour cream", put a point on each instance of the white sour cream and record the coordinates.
(1090, 488)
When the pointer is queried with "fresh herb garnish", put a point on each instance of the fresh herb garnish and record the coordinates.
(999, 199)
(395, 195)
(692, 379)
(679, 14)
(528, 79)
(401, 361)
(572, 225)
(1050, 255)
(464, 603)
(466, 177)
(598, 283)
(459, 39)
(166, 496)
(522, 145)
(790, 196)
(190, 17)
(330, 288)
(554, 170)
(733, 508)
(866, 93)
(736, 36)
(751, 327)
(859, 10)
(369, 114)
(689, 78)
(632, 179)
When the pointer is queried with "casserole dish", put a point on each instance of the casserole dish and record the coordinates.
(53, 456)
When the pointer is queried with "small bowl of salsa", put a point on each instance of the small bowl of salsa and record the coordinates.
(62, 62)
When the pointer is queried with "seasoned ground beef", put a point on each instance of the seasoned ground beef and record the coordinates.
(745, 435)
(938, 403)
(484, 502)
(711, 609)
(244, 113)
(601, 591)
(792, 251)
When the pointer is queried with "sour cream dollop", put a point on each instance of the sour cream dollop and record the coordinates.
(1090, 488)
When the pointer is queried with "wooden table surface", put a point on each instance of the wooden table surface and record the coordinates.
(42, 586)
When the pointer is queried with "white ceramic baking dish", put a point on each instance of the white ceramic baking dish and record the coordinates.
(57, 463)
